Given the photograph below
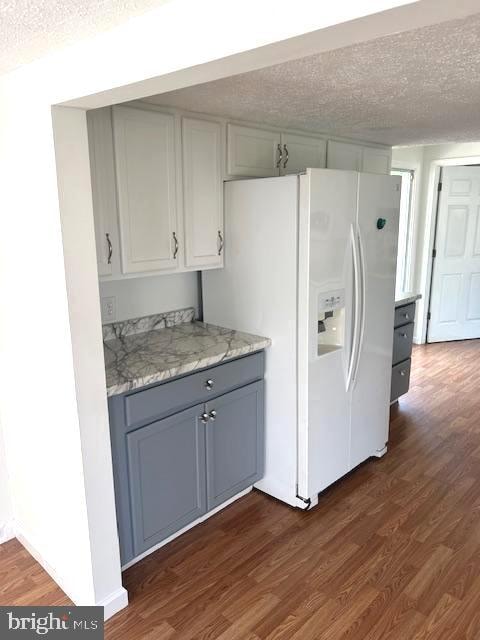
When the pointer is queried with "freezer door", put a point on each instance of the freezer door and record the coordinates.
(328, 201)
(377, 237)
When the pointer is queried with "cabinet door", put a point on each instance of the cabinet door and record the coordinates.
(376, 160)
(100, 142)
(343, 155)
(235, 443)
(302, 152)
(252, 152)
(202, 193)
(146, 185)
(166, 466)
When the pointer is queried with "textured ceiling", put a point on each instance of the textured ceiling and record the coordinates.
(418, 87)
(32, 28)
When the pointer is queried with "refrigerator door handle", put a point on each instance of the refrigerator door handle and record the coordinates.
(361, 306)
(356, 295)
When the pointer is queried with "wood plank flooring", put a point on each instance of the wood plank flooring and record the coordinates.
(391, 552)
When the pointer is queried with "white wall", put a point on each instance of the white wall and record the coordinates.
(52, 389)
(6, 511)
(426, 160)
(136, 297)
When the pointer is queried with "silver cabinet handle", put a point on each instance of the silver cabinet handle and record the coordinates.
(404, 335)
(175, 241)
(286, 156)
(213, 415)
(220, 238)
(204, 417)
(110, 249)
(403, 372)
(209, 385)
(406, 316)
(280, 155)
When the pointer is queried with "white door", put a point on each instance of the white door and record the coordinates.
(377, 238)
(202, 193)
(343, 155)
(455, 294)
(146, 187)
(376, 160)
(253, 152)
(100, 142)
(302, 152)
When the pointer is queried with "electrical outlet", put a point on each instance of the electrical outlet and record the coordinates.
(108, 309)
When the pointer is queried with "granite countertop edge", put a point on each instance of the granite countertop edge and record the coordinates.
(407, 298)
(188, 366)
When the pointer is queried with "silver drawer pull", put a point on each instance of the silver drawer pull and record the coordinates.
(209, 385)
(404, 335)
(406, 316)
(204, 417)
(403, 372)
(213, 415)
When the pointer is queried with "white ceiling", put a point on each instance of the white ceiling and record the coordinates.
(418, 87)
(32, 28)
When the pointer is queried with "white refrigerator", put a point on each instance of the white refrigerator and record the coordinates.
(310, 262)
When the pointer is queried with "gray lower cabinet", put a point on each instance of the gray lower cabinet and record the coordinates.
(234, 443)
(166, 467)
(183, 447)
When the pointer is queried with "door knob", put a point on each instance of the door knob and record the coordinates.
(204, 417)
(209, 385)
(213, 415)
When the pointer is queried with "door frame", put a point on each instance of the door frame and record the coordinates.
(434, 174)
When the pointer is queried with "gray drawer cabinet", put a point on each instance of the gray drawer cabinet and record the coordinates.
(402, 350)
(176, 457)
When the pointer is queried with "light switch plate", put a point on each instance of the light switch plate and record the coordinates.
(109, 309)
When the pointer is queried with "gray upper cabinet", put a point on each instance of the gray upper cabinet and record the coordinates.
(166, 466)
(234, 443)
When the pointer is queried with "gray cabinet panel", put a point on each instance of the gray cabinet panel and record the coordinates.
(173, 395)
(400, 379)
(166, 464)
(404, 314)
(402, 343)
(235, 443)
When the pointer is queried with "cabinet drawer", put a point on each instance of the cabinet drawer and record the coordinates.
(404, 315)
(400, 379)
(402, 343)
(198, 387)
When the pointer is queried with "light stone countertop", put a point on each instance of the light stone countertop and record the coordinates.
(407, 298)
(137, 359)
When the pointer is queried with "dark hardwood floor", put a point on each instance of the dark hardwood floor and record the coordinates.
(391, 552)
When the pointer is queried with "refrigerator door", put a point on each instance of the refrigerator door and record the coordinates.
(377, 237)
(328, 201)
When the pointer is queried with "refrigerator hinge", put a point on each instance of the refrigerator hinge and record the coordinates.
(434, 253)
(439, 188)
(429, 316)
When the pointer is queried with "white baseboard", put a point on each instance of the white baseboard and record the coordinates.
(7, 531)
(112, 604)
